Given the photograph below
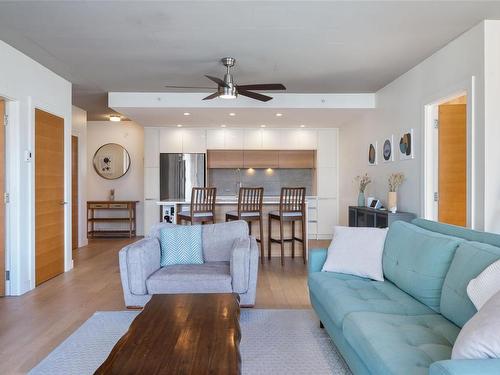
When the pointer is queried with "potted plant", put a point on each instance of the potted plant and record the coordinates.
(363, 182)
(395, 181)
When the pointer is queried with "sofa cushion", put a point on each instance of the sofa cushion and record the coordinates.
(417, 260)
(212, 277)
(218, 239)
(395, 344)
(471, 258)
(181, 244)
(341, 294)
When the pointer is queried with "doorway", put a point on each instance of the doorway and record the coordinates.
(74, 192)
(2, 198)
(49, 196)
(448, 161)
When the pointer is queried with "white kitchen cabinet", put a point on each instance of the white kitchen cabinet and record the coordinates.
(151, 147)
(271, 139)
(233, 139)
(152, 183)
(252, 139)
(194, 141)
(289, 139)
(306, 139)
(327, 148)
(215, 139)
(326, 182)
(171, 140)
(327, 217)
(151, 215)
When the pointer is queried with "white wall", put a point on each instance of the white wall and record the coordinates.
(400, 105)
(129, 187)
(28, 85)
(79, 129)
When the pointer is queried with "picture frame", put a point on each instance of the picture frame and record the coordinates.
(406, 147)
(373, 153)
(388, 149)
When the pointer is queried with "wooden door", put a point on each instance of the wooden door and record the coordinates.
(2, 202)
(49, 196)
(74, 192)
(452, 165)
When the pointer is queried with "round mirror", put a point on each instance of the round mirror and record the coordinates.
(111, 161)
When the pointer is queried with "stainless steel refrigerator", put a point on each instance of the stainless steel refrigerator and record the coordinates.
(179, 173)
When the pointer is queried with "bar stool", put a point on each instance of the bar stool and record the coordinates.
(250, 210)
(292, 208)
(202, 208)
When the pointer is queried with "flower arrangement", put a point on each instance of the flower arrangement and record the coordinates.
(395, 181)
(363, 182)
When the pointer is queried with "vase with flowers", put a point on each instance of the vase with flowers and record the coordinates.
(395, 181)
(363, 182)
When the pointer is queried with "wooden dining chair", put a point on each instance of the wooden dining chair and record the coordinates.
(202, 209)
(292, 208)
(250, 210)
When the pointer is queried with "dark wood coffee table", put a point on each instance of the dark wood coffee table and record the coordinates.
(180, 334)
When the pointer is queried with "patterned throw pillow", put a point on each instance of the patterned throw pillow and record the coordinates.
(181, 244)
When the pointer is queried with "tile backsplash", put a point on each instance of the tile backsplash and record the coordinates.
(227, 181)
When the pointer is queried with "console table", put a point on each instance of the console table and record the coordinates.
(370, 217)
(111, 207)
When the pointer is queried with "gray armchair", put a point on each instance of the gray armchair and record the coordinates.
(231, 263)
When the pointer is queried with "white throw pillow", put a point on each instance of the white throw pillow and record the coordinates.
(485, 285)
(480, 336)
(357, 251)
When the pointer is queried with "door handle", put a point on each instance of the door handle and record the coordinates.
(63, 203)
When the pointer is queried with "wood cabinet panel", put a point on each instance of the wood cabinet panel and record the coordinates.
(260, 159)
(225, 158)
(296, 159)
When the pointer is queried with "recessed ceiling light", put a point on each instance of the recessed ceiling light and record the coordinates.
(223, 126)
(179, 125)
(187, 114)
(279, 114)
(302, 126)
(263, 125)
(232, 114)
(115, 118)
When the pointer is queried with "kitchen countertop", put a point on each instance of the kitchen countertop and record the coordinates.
(225, 200)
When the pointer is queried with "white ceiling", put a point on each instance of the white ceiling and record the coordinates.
(311, 47)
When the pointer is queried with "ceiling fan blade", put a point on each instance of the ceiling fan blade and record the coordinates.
(263, 86)
(212, 96)
(254, 95)
(188, 87)
(219, 81)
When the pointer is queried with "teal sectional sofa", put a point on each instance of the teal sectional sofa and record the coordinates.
(408, 323)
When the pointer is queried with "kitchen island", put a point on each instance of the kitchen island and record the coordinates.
(224, 204)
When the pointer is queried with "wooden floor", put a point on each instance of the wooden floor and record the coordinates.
(32, 325)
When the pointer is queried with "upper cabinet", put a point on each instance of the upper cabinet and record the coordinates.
(225, 158)
(228, 139)
(194, 141)
(151, 147)
(215, 139)
(252, 139)
(297, 159)
(260, 159)
(176, 140)
(170, 140)
(327, 148)
(272, 139)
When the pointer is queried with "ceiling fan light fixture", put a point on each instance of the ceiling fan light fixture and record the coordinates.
(228, 92)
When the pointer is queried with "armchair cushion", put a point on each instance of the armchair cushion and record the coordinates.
(142, 259)
(181, 244)
(211, 277)
(240, 264)
(218, 240)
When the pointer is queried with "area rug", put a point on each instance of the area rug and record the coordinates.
(272, 342)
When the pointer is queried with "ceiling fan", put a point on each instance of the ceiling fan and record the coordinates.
(227, 89)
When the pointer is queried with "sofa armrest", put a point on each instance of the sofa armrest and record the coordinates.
(137, 262)
(465, 367)
(244, 248)
(317, 258)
